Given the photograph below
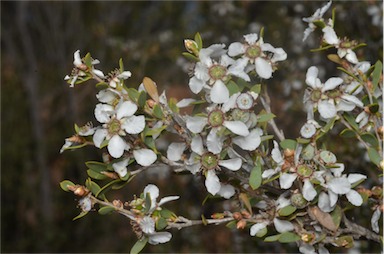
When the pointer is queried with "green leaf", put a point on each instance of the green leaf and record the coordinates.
(88, 60)
(95, 175)
(374, 108)
(172, 105)
(334, 58)
(231, 224)
(329, 125)
(351, 120)
(336, 216)
(198, 40)
(288, 237)
(92, 186)
(344, 241)
(266, 137)
(107, 187)
(106, 210)
(262, 232)
(157, 112)
(151, 88)
(139, 246)
(161, 223)
(255, 178)
(190, 57)
(256, 88)
(142, 99)
(303, 140)
(148, 202)
(133, 94)
(81, 215)
(150, 142)
(370, 139)
(288, 144)
(64, 185)
(376, 74)
(245, 199)
(265, 117)
(272, 238)
(232, 88)
(167, 214)
(319, 23)
(374, 156)
(121, 65)
(287, 210)
(347, 133)
(96, 166)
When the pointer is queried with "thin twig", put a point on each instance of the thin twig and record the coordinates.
(266, 104)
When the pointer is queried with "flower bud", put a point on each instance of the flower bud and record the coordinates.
(117, 203)
(217, 216)
(308, 237)
(298, 201)
(237, 216)
(191, 46)
(241, 224)
(78, 190)
(151, 103)
(289, 153)
(246, 214)
(377, 191)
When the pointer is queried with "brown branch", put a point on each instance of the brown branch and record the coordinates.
(359, 231)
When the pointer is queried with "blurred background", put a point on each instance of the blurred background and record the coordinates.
(39, 109)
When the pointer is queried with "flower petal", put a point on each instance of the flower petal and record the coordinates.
(330, 36)
(77, 59)
(283, 225)
(219, 92)
(353, 99)
(167, 199)
(134, 124)
(311, 77)
(121, 167)
(175, 151)
(351, 56)
(212, 182)
(331, 84)
(324, 203)
(339, 185)
(326, 109)
(375, 220)
(256, 228)
(232, 164)
(237, 127)
(99, 137)
(263, 68)
(185, 102)
(214, 142)
(159, 237)
(127, 108)
(354, 198)
(116, 146)
(144, 157)
(103, 112)
(226, 191)
(333, 197)
(196, 123)
(309, 193)
(197, 145)
(268, 173)
(153, 191)
(354, 178)
(276, 154)
(250, 142)
(286, 180)
(196, 85)
(235, 49)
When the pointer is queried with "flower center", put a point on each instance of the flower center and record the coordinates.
(298, 201)
(334, 94)
(240, 115)
(114, 126)
(244, 101)
(316, 95)
(217, 72)
(253, 52)
(304, 171)
(216, 118)
(209, 161)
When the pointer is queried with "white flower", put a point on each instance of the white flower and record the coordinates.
(121, 167)
(116, 123)
(175, 151)
(117, 79)
(85, 204)
(283, 225)
(144, 157)
(254, 52)
(318, 15)
(257, 227)
(277, 158)
(153, 191)
(309, 128)
(147, 225)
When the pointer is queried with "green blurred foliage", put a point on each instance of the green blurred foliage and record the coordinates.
(39, 109)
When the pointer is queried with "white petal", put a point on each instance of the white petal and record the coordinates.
(196, 85)
(124, 75)
(226, 191)
(323, 250)
(337, 169)
(257, 227)
(235, 49)
(212, 182)
(331, 84)
(345, 106)
(103, 112)
(351, 57)
(159, 237)
(330, 36)
(286, 180)
(353, 99)
(147, 225)
(98, 73)
(196, 123)
(251, 38)
(185, 102)
(326, 109)
(175, 150)
(99, 137)
(201, 71)
(214, 142)
(77, 59)
(144, 157)
(219, 92)
(231, 103)
(121, 167)
(308, 130)
(276, 154)
(197, 145)
(354, 198)
(268, 173)
(333, 197)
(250, 142)
(375, 220)
(283, 225)
(127, 108)
(153, 191)
(354, 178)
(263, 68)
(311, 77)
(237, 69)
(232, 164)
(306, 248)
(309, 191)
(167, 199)
(324, 203)
(105, 96)
(279, 55)
(339, 185)
(134, 124)
(237, 127)
(116, 146)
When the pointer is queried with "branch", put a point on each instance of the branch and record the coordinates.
(360, 231)
(266, 104)
(182, 222)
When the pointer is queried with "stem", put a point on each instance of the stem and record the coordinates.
(359, 230)
(182, 222)
(357, 134)
(266, 104)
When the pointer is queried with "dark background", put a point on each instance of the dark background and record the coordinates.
(39, 109)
